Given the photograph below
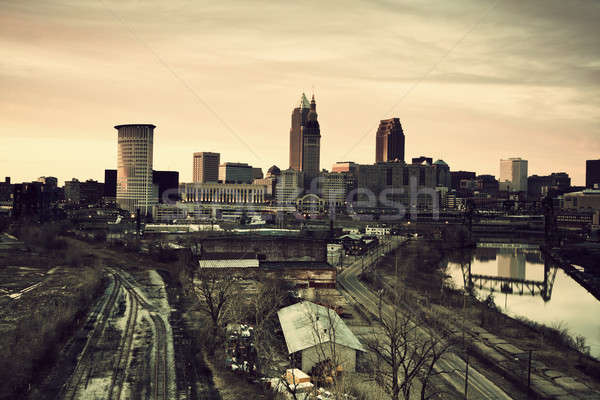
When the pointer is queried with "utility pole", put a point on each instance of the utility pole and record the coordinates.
(464, 345)
(467, 377)
(529, 372)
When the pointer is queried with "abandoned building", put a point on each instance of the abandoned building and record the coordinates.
(314, 333)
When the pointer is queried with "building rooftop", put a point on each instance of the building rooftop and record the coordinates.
(352, 236)
(303, 102)
(229, 263)
(132, 125)
(585, 192)
(308, 324)
(296, 265)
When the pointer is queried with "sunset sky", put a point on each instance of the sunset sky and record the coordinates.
(471, 81)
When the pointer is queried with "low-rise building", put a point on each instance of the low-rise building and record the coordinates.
(314, 333)
(588, 199)
(334, 253)
(378, 230)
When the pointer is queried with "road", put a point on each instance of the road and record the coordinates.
(479, 386)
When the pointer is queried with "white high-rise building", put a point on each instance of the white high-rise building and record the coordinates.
(289, 186)
(332, 188)
(134, 168)
(513, 174)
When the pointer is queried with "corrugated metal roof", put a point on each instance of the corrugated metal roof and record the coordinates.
(307, 324)
(235, 263)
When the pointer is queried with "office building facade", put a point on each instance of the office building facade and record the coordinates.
(305, 139)
(83, 193)
(592, 173)
(235, 173)
(290, 184)
(135, 190)
(513, 175)
(223, 193)
(110, 184)
(389, 141)
(167, 183)
(540, 186)
(206, 167)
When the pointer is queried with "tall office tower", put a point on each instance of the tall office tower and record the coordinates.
(389, 141)
(134, 168)
(592, 173)
(206, 167)
(513, 172)
(305, 138)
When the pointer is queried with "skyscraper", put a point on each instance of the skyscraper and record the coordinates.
(389, 141)
(134, 168)
(206, 167)
(592, 173)
(305, 138)
(513, 172)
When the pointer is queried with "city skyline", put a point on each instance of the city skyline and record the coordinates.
(72, 71)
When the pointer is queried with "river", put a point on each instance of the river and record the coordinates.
(525, 285)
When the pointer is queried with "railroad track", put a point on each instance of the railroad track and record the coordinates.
(160, 374)
(99, 317)
(160, 390)
(120, 368)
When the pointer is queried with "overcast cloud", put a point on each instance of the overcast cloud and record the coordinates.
(471, 81)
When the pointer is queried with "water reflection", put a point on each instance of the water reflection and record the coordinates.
(511, 272)
(526, 285)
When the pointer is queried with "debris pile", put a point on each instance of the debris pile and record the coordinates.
(240, 353)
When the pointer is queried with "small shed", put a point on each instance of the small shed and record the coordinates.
(316, 333)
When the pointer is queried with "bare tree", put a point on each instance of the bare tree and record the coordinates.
(271, 296)
(406, 352)
(216, 290)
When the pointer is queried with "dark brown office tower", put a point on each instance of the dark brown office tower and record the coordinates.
(206, 167)
(305, 138)
(389, 141)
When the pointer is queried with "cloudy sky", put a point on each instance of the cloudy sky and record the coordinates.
(471, 81)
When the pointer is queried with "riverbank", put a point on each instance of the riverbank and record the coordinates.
(420, 272)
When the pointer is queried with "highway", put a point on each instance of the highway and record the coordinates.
(479, 387)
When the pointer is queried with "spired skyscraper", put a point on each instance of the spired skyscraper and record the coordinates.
(389, 145)
(305, 139)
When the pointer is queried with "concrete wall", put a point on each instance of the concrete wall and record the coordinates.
(302, 277)
(270, 248)
(345, 356)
